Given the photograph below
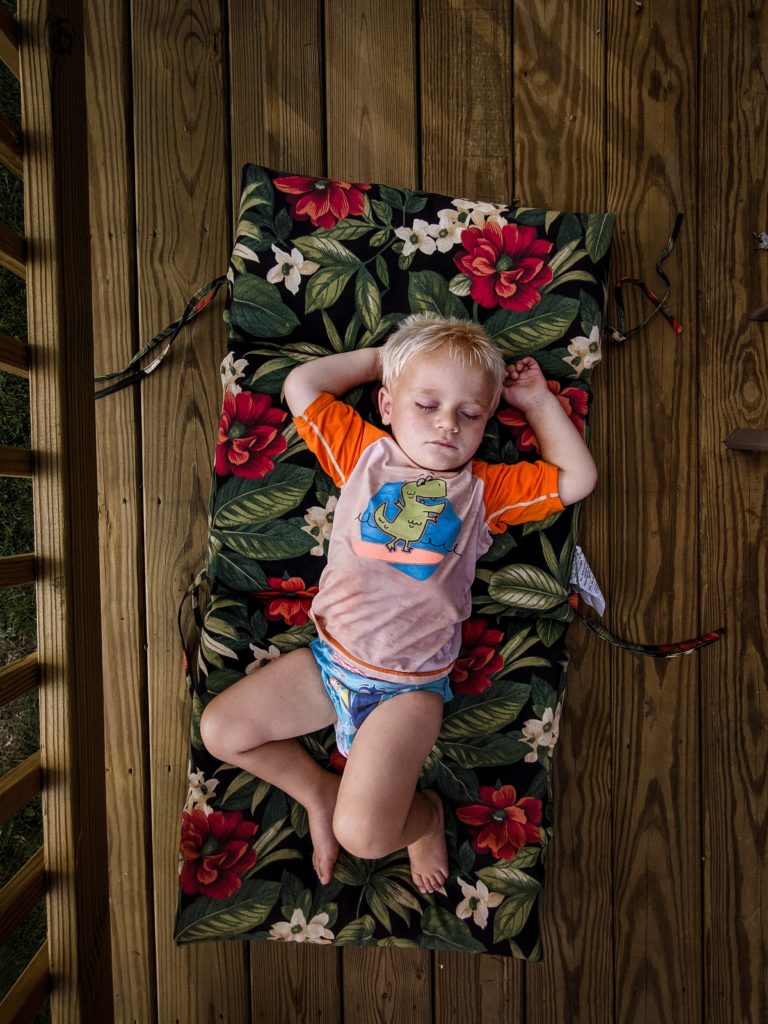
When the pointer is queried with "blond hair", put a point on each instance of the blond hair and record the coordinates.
(465, 341)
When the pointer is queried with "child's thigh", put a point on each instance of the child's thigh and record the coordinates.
(283, 699)
(388, 754)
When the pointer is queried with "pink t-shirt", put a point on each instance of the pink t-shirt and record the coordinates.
(404, 544)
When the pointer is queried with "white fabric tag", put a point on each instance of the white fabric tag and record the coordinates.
(584, 583)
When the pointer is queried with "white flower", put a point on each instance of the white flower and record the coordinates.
(289, 268)
(542, 733)
(447, 231)
(298, 929)
(416, 237)
(583, 353)
(232, 370)
(244, 252)
(477, 900)
(319, 522)
(261, 657)
(200, 792)
(479, 213)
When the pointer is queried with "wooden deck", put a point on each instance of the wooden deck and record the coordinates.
(657, 904)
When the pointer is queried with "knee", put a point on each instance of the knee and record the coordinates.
(360, 835)
(216, 732)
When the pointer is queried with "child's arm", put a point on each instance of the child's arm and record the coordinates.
(337, 374)
(560, 442)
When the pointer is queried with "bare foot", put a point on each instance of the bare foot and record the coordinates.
(429, 854)
(324, 843)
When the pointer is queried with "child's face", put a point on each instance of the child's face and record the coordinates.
(437, 410)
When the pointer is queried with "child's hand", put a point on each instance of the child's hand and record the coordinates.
(525, 385)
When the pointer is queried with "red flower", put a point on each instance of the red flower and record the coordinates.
(502, 823)
(338, 761)
(294, 609)
(575, 401)
(248, 435)
(216, 851)
(479, 658)
(506, 265)
(323, 201)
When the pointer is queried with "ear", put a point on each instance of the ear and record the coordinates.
(385, 405)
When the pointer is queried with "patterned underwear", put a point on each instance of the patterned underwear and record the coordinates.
(354, 696)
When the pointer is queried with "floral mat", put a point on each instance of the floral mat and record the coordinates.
(323, 266)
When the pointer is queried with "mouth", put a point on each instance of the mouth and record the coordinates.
(443, 444)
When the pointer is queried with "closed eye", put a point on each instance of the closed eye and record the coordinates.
(426, 408)
(471, 416)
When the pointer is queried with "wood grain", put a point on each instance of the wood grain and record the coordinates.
(65, 509)
(466, 110)
(295, 983)
(182, 240)
(387, 986)
(733, 537)
(652, 139)
(276, 86)
(371, 91)
(112, 214)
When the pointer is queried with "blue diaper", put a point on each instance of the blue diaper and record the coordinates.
(354, 696)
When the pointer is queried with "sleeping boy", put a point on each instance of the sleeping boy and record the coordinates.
(416, 512)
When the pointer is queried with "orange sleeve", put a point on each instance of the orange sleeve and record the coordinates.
(337, 434)
(522, 493)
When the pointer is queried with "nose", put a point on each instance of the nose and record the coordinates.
(448, 420)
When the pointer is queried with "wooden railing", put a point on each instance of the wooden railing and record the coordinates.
(45, 50)
(17, 788)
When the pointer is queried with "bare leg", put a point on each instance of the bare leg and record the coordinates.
(251, 725)
(378, 810)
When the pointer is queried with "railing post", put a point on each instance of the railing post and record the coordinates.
(66, 510)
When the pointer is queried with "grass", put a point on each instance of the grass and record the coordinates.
(19, 728)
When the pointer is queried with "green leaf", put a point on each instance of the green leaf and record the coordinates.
(599, 233)
(326, 251)
(428, 293)
(502, 544)
(491, 712)
(206, 918)
(550, 630)
(507, 877)
(510, 917)
(269, 377)
(460, 285)
(392, 196)
(549, 555)
(258, 309)
(527, 587)
(391, 942)
(270, 541)
(367, 299)
(218, 680)
(238, 794)
(494, 750)
(345, 229)
(570, 229)
(243, 502)
(325, 287)
(293, 638)
(356, 932)
(457, 784)
(333, 335)
(238, 573)
(520, 333)
(443, 930)
(381, 270)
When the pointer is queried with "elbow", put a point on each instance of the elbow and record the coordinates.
(293, 391)
(573, 489)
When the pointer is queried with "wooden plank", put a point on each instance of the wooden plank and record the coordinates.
(652, 144)
(182, 213)
(276, 86)
(9, 40)
(21, 894)
(466, 67)
(294, 983)
(371, 109)
(387, 986)
(472, 989)
(15, 461)
(111, 205)
(14, 356)
(734, 366)
(18, 677)
(27, 996)
(559, 111)
(66, 539)
(17, 570)
(13, 251)
(11, 152)
(371, 91)
(19, 786)
(279, 123)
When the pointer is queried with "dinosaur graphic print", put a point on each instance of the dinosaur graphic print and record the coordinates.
(411, 525)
